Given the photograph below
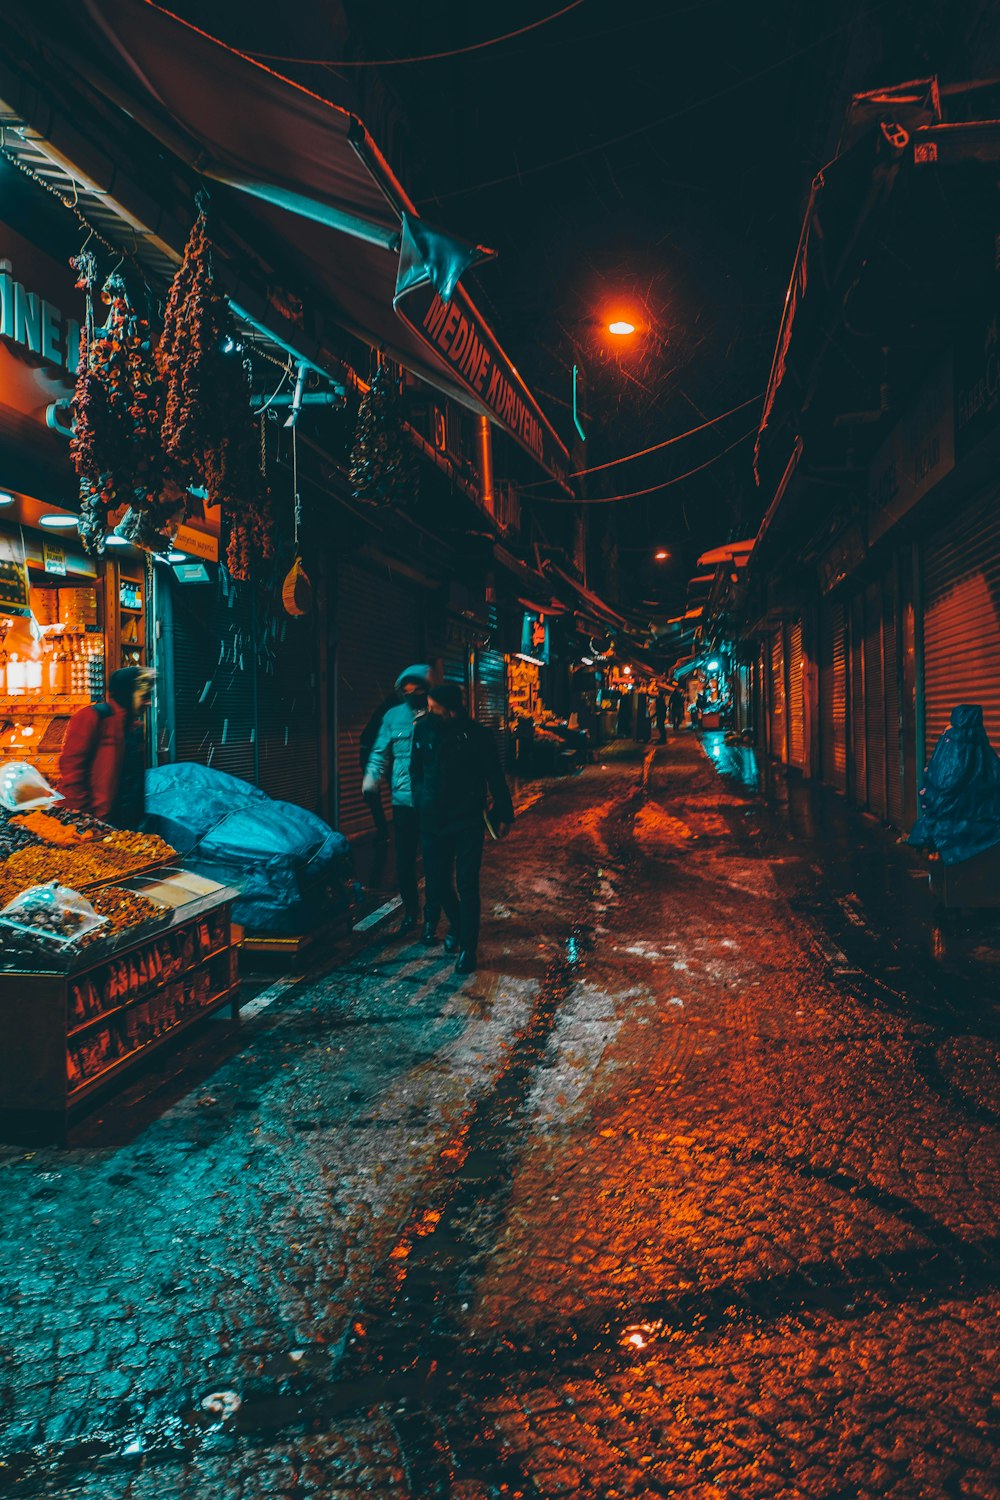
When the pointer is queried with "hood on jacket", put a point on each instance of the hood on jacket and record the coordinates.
(420, 672)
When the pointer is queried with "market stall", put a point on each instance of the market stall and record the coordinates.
(109, 949)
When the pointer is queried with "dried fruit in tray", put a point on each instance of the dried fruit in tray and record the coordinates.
(77, 867)
(13, 836)
(52, 913)
(125, 909)
(136, 850)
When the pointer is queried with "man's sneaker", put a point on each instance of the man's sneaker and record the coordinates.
(451, 943)
(466, 962)
(430, 935)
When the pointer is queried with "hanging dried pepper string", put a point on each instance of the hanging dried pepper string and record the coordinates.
(208, 419)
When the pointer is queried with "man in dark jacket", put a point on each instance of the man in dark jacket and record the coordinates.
(102, 764)
(454, 769)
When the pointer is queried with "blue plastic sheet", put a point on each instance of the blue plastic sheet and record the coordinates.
(960, 798)
(292, 870)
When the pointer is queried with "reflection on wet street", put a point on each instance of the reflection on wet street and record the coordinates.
(691, 1190)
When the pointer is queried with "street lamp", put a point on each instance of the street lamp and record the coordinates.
(621, 327)
(661, 555)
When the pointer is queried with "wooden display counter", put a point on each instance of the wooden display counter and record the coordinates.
(79, 1021)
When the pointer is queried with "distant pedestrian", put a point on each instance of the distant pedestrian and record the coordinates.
(676, 708)
(457, 779)
(102, 764)
(661, 716)
(391, 754)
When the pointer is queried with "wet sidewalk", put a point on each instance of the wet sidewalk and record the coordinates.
(692, 1190)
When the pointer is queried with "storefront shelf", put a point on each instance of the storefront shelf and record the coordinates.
(137, 999)
(121, 1064)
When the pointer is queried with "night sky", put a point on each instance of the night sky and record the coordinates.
(650, 160)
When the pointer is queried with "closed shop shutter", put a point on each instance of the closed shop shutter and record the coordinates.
(962, 620)
(452, 653)
(796, 703)
(288, 709)
(379, 633)
(214, 676)
(777, 696)
(833, 694)
(893, 717)
(875, 699)
(857, 778)
(490, 706)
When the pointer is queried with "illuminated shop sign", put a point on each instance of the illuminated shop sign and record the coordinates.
(37, 325)
(535, 639)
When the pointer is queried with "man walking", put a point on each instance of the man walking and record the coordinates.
(455, 770)
(676, 708)
(391, 753)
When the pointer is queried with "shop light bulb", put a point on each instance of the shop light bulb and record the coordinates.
(177, 557)
(713, 666)
(621, 328)
(114, 540)
(5, 498)
(57, 522)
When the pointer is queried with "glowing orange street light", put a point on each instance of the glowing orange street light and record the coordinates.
(621, 328)
(661, 554)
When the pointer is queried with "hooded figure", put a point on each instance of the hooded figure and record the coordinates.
(390, 754)
(102, 764)
(960, 798)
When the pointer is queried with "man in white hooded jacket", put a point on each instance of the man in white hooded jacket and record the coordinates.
(391, 755)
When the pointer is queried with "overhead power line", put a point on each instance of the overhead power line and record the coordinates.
(655, 447)
(651, 489)
(396, 62)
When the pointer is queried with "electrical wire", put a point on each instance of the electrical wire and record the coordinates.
(629, 135)
(653, 488)
(395, 62)
(655, 447)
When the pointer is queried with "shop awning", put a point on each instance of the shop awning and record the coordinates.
(592, 602)
(310, 172)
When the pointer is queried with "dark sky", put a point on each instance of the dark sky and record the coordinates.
(650, 159)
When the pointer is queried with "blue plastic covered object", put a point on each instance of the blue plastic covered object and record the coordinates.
(188, 799)
(960, 798)
(291, 869)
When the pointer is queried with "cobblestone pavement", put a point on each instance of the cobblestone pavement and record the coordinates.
(680, 1195)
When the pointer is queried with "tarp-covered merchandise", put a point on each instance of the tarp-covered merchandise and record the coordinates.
(292, 870)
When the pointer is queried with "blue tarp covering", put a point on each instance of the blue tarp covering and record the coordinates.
(960, 798)
(290, 867)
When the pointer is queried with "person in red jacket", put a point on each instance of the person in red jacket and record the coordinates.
(102, 764)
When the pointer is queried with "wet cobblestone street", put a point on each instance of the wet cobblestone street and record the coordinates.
(692, 1190)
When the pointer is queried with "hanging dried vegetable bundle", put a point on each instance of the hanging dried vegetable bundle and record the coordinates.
(208, 420)
(382, 470)
(251, 534)
(115, 448)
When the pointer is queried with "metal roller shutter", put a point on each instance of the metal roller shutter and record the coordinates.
(379, 633)
(833, 694)
(857, 779)
(776, 705)
(796, 703)
(490, 707)
(962, 620)
(893, 708)
(288, 709)
(874, 699)
(214, 663)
